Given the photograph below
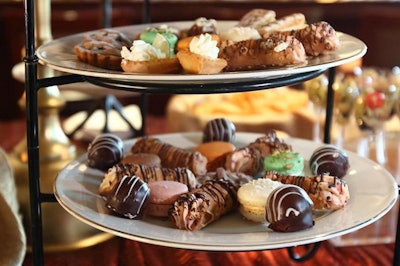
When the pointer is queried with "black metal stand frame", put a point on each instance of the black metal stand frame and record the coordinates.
(33, 84)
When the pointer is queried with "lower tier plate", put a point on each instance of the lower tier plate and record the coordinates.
(373, 193)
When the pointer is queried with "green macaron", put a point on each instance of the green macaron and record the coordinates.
(285, 163)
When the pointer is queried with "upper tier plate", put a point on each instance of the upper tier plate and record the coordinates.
(373, 192)
(59, 54)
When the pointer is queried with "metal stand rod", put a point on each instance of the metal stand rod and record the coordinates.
(311, 249)
(329, 105)
(32, 123)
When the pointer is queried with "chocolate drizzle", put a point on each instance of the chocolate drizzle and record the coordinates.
(200, 207)
(171, 156)
(151, 174)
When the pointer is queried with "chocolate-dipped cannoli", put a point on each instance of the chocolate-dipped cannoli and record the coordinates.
(250, 159)
(171, 156)
(200, 207)
(317, 38)
(146, 173)
(326, 192)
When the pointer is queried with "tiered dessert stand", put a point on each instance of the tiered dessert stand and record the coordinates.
(51, 54)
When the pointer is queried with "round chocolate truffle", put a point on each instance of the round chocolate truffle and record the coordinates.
(289, 209)
(104, 151)
(219, 129)
(329, 159)
(129, 197)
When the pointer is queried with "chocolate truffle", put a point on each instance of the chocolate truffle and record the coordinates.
(329, 159)
(289, 209)
(129, 197)
(104, 151)
(219, 129)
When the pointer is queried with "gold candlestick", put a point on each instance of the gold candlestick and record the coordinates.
(61, 231)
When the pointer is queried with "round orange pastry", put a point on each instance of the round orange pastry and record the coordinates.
(184, 43)
(214, 149)
(202, 56)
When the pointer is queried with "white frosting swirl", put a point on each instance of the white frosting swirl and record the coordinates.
(205, 46)
(205, 23)
(142, 51)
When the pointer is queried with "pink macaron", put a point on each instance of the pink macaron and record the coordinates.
(162, 195)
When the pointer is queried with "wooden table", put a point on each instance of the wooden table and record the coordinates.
(119, 251)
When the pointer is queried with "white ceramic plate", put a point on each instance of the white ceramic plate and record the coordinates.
(372, 189)
(59, 54)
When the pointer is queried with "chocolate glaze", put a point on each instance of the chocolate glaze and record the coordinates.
(289, 209)
(129, 197)
(329, 159)
(105, 151)
(219, 129)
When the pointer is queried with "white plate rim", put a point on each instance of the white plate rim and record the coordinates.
(198, 240)
(58, 54)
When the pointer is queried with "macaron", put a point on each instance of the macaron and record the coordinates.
(214, 149)
(285, 163)
(162, 195)
(252, 197)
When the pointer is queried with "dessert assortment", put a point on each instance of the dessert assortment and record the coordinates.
(264, 181)
(259, 40)
(192, 188)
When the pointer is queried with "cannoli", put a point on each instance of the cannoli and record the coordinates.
(200, 207)
(146, 173)
(250, 159)
(270, 143)
(276, 50)
(326, 192)
(317, 38)
(171, 156)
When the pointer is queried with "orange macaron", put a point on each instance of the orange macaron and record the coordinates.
(214, 149)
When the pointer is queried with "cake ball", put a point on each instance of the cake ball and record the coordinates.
(219, 129)
(329, 159)
(289, 209)
(129, 197)
(104, 151)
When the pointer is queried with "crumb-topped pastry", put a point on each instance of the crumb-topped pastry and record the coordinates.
(102, 48)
